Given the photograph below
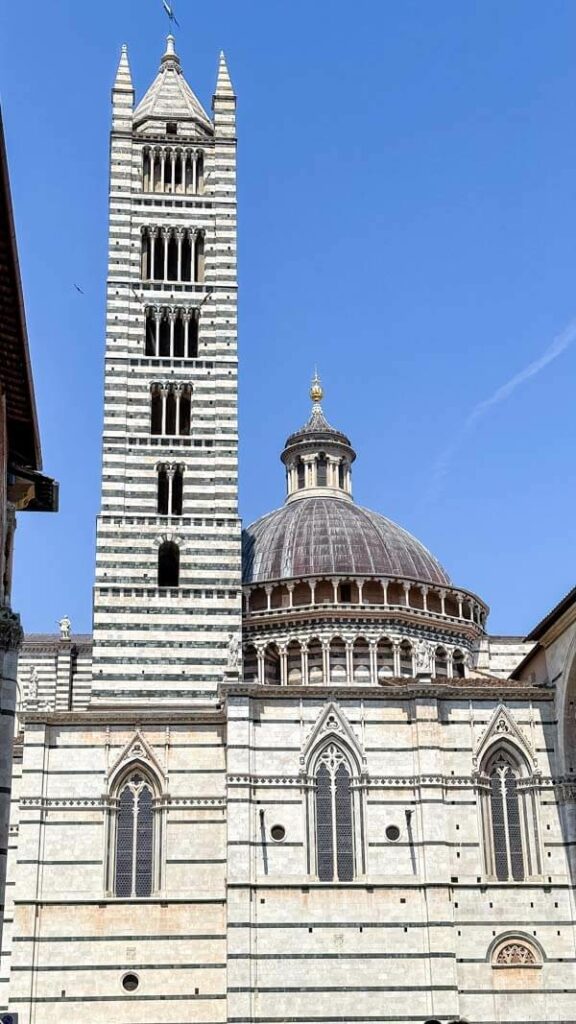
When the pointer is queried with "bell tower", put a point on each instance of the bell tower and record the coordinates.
(167, 601)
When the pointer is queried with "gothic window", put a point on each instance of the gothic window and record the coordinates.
(150, 345)
(164, 335)
(185, 412)
(177, 490)
(168, 564)
(334, 816)
(170, 412)
(510, 816)
(193, 336)
(134, 837)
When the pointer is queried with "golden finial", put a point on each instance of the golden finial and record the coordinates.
(316, 389)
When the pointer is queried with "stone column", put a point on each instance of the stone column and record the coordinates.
(326, 661)
(260, 658)
(373, 661)
(304, 662)
(349, 661)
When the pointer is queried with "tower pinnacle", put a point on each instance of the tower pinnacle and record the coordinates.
(316, 389)
(170, 56)
(123, 80)
(224, 85)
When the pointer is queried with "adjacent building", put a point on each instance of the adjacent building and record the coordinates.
(293, 780)
(22, 485)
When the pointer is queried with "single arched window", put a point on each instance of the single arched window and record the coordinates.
(168, 564)
(301, 474)
(334, 819)
(134, 837)
(440, 662)
(321, 470)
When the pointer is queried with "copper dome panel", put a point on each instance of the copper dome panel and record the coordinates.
(321, 536)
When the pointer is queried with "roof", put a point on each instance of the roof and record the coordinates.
(15, 368)
(319, 536)
(170, 97)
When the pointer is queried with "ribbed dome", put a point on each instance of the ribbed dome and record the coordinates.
(319, 536)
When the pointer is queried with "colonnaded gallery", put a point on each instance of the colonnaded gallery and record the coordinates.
(291, 777)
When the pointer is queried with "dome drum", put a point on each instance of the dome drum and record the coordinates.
(364, 596)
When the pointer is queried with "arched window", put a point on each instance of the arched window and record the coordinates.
(301, 474)
(185, 412)
(458, 665)
(406, 663)
(156, 410)
(193, 336)
(199, 172)
(440, 662)
(177, 490)
(507, 847)
(170, 412)
(334, 818)
(199, 258)
(168, 564)
(164, 335)
(134, 837)
(150, 346)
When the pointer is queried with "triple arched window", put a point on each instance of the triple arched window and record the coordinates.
(334, 815)
(510, 821)
(134, 847)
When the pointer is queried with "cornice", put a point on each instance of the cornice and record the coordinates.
(404, 688)
(133, 717)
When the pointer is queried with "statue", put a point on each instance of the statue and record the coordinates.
(65, 626)
(32, 688)
(233, 653)
(423, 656)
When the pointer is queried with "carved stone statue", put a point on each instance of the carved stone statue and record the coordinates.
(423, 652)
(65, 626)
(32, 688)
(233, 654)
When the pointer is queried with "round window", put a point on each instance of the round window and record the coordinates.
(130, 982)
(393, 833)
(278, 833)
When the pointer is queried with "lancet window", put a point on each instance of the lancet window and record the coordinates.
(170, 409)
(170, 489)
(134, 846)
(171, 332)
(173, 254)
(509, 817)
(173, 169)
(334, 818)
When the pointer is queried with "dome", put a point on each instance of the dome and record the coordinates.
(319, 536)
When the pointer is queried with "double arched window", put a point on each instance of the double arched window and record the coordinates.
(133, 861)
(510, 819)
(334, 816)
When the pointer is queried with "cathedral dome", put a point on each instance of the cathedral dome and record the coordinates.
(328, 535)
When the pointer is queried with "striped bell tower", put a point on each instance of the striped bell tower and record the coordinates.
(167, 597)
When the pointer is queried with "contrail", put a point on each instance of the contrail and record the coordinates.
(558, 345)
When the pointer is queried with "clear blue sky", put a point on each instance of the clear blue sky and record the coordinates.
(407, 174)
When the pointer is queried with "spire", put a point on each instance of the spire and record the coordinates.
(223, 83)
(170, 55)
(123, 80)
(170, 96)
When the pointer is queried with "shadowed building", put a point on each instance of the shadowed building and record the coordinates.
(22, 485)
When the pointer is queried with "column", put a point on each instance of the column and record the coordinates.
(290, 588)
(193, 156)
(192, 236)
(268, 590)
(373, 662)
(283, 666)
(173, 169)
(260, 659)
(170, 475)
(335, 584)
(349, 661)
(185, 315)
(157, 319)
(313, 584)
(326, 660)
(385, 591)
(442, 602)
(360, 585)
(166, 232)
(459, 599)
(304, 662)
(172, 316)
(162, 170)
(183, 173)
(179, 237)
(424, 591)
(396, 646)
(406, 587)
(178, 395)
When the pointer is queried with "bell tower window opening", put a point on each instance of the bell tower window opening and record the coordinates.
(134, 838)
(168, 564)
(171, 332)
(334, 817)
(156, 410)
(170, 490)
(177, 490)
(171, 128)
(199, 259)
(162, 496)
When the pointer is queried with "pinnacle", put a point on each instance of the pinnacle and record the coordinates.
(123, 80)
(223, 83)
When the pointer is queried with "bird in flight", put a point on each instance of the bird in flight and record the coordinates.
(78, 289)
